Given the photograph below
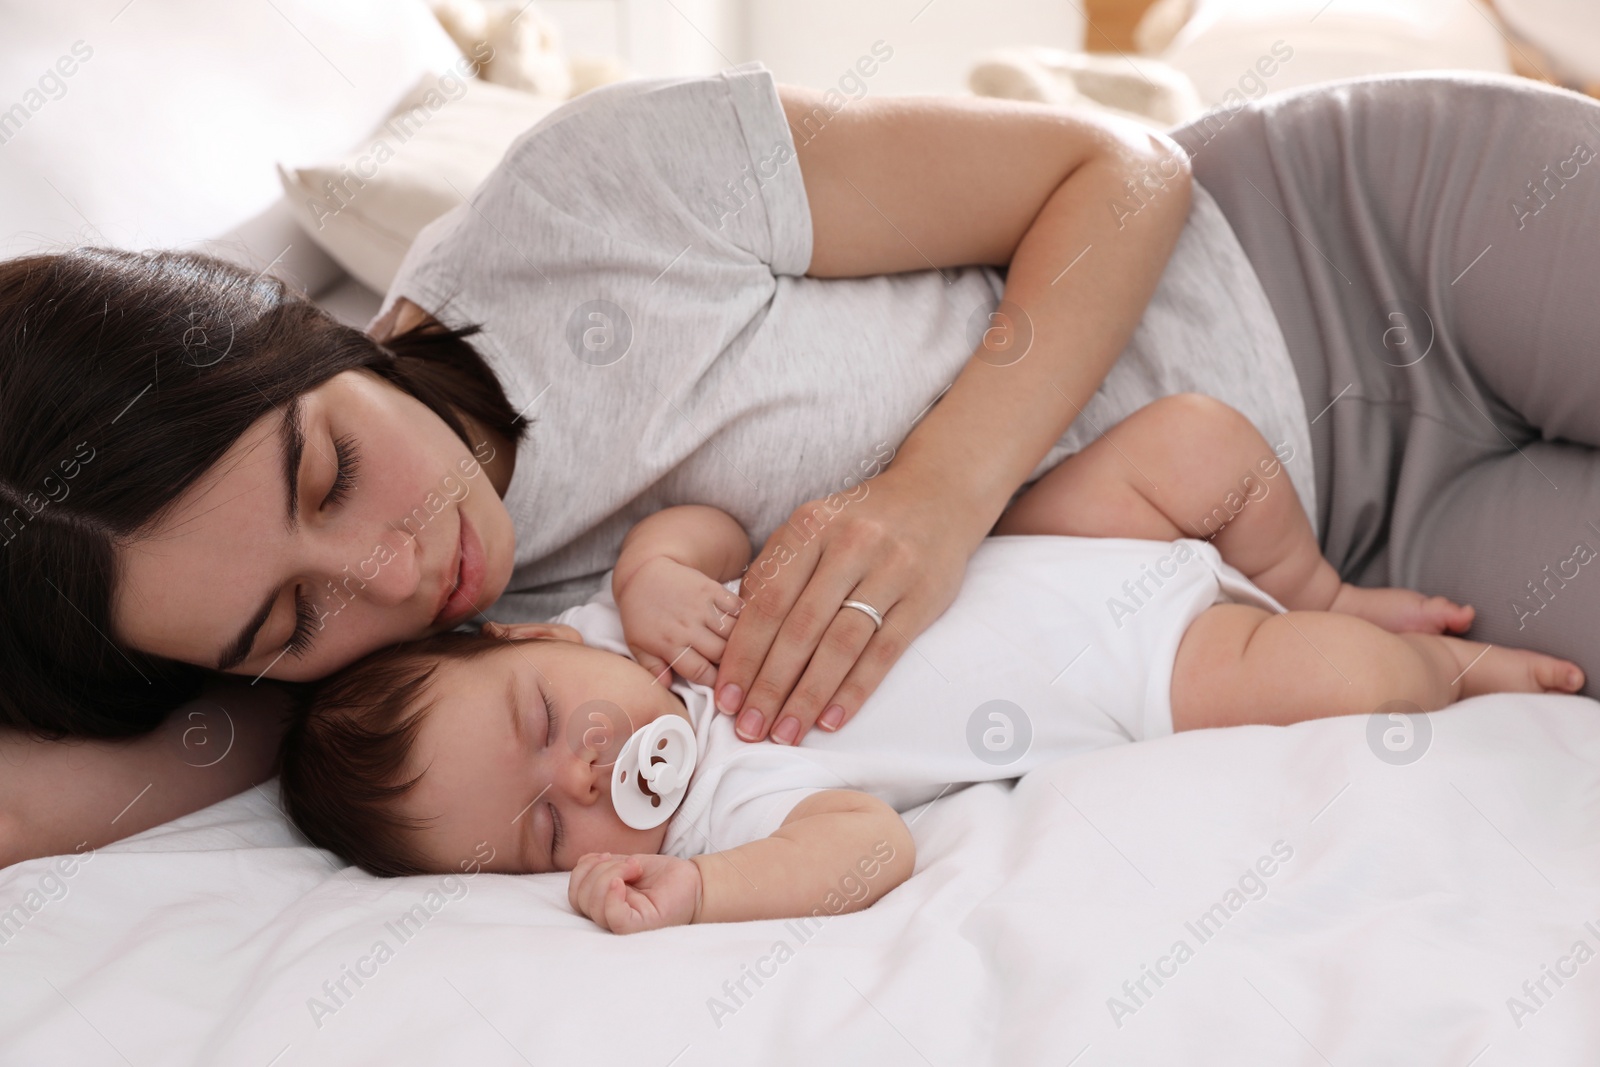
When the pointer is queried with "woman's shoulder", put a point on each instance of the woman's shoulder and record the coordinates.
(604, 185)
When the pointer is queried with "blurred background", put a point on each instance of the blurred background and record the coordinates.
(315, 138)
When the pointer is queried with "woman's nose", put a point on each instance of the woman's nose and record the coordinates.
(381, 567)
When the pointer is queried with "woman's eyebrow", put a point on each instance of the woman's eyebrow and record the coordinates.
(294, 446)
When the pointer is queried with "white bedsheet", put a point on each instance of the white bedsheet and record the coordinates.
(1417, 900)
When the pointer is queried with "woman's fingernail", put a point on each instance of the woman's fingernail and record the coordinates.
(750, 724)
(728, 699)
(831, 718)
(787, 730)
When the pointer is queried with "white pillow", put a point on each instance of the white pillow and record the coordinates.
(366, 207)
(1233, 49)
(165, 130)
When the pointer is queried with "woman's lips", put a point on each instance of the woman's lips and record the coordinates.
(467, 580)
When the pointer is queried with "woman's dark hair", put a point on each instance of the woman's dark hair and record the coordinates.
(124, 377)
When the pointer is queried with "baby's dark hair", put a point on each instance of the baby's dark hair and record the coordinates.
(346, 748)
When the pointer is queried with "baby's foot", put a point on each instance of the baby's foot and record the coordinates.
(1403, 610)
(1498, 669)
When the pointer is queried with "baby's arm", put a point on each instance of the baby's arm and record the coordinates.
(668, 587)
(704, 538)
(838, 851)
(831, 840)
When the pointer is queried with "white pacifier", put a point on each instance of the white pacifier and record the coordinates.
(651, 775)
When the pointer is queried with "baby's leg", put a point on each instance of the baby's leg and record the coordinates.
(1191, 466)
(1238, 664)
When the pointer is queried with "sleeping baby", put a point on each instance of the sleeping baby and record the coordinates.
(1156, 581)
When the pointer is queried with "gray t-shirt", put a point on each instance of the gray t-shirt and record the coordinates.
(637, 261)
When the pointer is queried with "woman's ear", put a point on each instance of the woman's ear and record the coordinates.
(528, 631)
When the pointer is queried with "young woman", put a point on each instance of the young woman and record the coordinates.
(718, 290)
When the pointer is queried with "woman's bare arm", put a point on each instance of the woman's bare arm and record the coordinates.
(897, 183)
(56, 796)
(913, 183)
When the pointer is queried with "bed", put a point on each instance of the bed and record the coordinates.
(1306, 895)
(1355, 891)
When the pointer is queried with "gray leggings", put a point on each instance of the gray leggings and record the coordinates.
(1431, 246)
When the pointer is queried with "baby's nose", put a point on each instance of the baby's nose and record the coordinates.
(582, 778)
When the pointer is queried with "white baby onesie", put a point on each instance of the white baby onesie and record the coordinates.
(1053, 646)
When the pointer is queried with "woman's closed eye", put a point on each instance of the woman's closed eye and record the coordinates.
(305, 620)
(347, 463)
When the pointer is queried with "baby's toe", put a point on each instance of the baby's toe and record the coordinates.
(1557, 675)
(1459, 617)
(1442, 615)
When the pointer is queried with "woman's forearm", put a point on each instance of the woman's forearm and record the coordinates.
(1077, 285)
(58, 795)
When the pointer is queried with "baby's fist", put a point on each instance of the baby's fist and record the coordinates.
(627, 894)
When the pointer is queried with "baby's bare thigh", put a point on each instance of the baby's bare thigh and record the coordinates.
(1171, 457)
(1211, 683)
(1096, 492)
(1239, 664)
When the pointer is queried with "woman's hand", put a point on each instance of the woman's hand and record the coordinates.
(796, 651)
(903, 548)
(627, 894)
(675, 618)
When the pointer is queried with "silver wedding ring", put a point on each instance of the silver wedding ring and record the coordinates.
(861, 605)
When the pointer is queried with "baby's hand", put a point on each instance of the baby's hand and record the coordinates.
(673, 615)
(627, 894)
